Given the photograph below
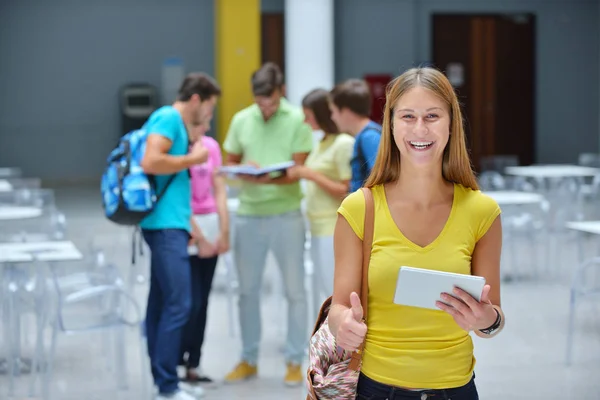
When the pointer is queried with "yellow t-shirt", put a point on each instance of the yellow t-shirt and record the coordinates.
(409, 346)
(331, 158)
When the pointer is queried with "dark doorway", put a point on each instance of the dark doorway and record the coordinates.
(490, 60)
(273, 39)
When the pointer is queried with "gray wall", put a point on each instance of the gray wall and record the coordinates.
(392, 35)
(62, 63)
(272, 6)
(375, 36)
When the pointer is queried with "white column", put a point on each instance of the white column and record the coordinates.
(309, 52)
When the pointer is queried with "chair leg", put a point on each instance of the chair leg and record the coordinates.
(143, 364)
(38, 359)
(120, 363)
(547, 257)
(572, 309)
(13, 340)
(46, 389)
(534, 254)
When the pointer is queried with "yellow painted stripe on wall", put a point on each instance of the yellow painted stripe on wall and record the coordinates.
(238, 55)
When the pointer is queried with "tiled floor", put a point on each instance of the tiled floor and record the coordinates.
(525, 362)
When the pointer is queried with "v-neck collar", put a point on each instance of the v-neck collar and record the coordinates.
(439, 236)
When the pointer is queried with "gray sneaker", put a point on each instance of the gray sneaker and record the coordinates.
(193, 390)
(179, 395)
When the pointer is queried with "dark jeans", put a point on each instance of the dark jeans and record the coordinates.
(369, 389)
(202, 274)
(169, 303)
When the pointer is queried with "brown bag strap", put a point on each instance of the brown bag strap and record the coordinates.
(368, 229)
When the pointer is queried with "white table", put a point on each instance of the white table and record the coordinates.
(592, 227)
(39, 251)
(553, 171)
(508, 197)
(549, 178)
(5, 186)
(583, 227)
(18, 212)
(13, 254)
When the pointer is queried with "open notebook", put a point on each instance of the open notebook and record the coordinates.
(251, 170)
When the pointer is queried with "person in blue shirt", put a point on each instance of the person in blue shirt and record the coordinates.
(350, 109)
(169, 229)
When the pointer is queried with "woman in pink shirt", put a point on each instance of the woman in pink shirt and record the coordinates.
(209, 205)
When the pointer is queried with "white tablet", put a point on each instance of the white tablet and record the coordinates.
(419, 287)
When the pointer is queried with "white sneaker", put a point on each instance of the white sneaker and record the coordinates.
(179, 395)
(193, 390)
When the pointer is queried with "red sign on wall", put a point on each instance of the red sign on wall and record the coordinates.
(377, 83)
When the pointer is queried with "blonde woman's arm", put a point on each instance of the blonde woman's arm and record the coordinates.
(346, 313)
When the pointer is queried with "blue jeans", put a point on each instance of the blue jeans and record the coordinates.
(284, 235)
(369, 389)
(169, 303)
(202, 274)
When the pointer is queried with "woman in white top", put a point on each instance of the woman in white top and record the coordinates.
(327, 173)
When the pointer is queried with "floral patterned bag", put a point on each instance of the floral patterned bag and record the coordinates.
(333, 372)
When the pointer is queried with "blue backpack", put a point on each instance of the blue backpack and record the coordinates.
(128, 193)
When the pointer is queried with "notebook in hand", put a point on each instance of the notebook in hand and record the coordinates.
(252, 170)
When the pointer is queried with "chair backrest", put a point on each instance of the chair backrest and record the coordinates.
(491, 180)
(30, 214)
(10, 172)
(589, 160)
(34, 197)
(24, 183)
(498, 163)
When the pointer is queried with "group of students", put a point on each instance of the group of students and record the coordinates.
(268, 217)
(429, 213)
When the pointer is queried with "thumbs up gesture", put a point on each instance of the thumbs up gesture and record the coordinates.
(352, 329)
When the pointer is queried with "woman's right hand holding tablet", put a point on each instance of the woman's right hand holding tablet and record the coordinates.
(352, 329)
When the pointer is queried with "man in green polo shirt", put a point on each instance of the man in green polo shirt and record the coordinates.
(269, 218)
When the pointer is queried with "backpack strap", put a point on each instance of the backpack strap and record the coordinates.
(364, 172)
(369, 227)
(137, 243)
(172, 177)
(361, 159)
(164, 189)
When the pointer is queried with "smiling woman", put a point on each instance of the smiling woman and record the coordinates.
(413, 126)
(429, 214)
(427, 91)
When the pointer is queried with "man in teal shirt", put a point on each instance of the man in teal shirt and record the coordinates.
(168, 229)
(269, 218)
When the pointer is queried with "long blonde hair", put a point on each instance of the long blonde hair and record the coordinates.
(456, 165)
